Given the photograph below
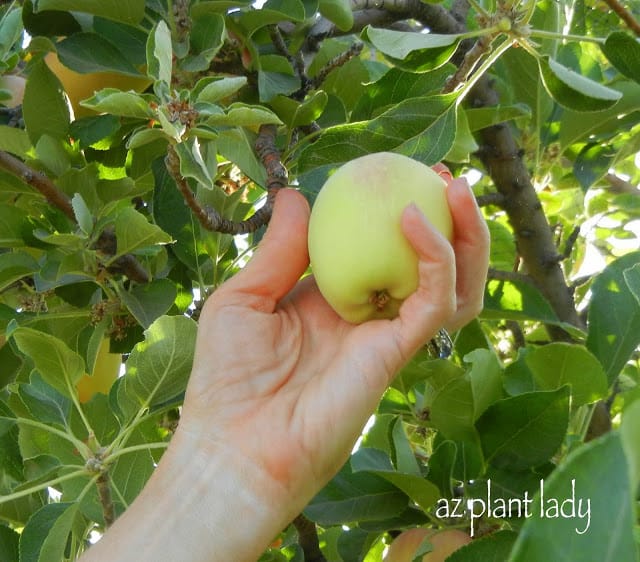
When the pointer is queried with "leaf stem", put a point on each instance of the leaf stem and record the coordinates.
(82, 447)
(136, 448)
(564, 37)
(42, 486)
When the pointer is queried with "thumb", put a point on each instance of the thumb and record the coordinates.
(281, 258)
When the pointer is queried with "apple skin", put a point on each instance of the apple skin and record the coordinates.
(15, 85)
(105, 372)
(363, 264)
(82, 86)
(445, 543)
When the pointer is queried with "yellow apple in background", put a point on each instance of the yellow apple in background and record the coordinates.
(363, 264)
(15, 86)
(105, 372)
(82, 86)
(445, 543)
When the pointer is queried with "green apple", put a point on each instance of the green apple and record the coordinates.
(444, 543)
(363, 264)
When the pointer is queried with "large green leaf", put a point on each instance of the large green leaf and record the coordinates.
(158, 368)
(128, 11)
(423, 128)
(45, 536)
(59, 366)
(574, 91)
(584, 510)
(614, 317)
(44, 108)
(623, 52)
(359, 496)
(524, 430)
(90, 52)
(134, 231)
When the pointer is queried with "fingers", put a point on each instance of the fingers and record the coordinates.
(281, 257)
(434, 302)
(471, 245)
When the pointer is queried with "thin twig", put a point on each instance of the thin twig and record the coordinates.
(39, 182)
(625, 15)
(336, 62)
(308, 539)
(471, 58)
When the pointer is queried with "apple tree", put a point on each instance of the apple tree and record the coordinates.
(142, 144)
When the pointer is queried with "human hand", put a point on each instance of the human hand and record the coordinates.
(281, 388)
(281, 381)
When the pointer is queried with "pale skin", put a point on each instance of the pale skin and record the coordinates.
(281, 388)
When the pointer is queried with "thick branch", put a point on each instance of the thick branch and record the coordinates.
(308, 539)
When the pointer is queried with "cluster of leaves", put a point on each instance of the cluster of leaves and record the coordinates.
(81, 197)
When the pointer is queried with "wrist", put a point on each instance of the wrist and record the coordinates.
(202, 500)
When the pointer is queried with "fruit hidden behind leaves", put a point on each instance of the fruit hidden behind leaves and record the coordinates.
(363, 264)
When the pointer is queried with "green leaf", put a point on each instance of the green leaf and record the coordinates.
(128, 11)
(117, 102)
(397, 85)
(422, 128)
(150, 301)
(415, 486)
(458, 403)
(214, 89)
(89, 52)
(524, 430)
(160, 53)
(9, 541)
(296, 114)
(59, 366)
(44, 108)
(14, 226)
(44, 403)
(243, 115)
(494, 547)
(630, 435)
(14, 266)
(591, 487)
(623, 52)
(517, 300)
(574, 91)
(82, 214)
(192, 164)
(158, 368)
(416, 51)
(45, 536)
(557, 364)
(237, 146)
(272, 11)
(614, 317)
(14, 140)
(134, 231)
(338, 12)
(359, 496)
(632, 278)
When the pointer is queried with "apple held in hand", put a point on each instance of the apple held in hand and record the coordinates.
(363, 264)
(444, 543)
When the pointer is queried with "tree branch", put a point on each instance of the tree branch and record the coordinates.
(625, 15)
(211, 219)
(308, 539)
(490, 199)
(127, 264)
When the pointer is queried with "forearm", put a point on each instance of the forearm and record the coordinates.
(197, 506)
